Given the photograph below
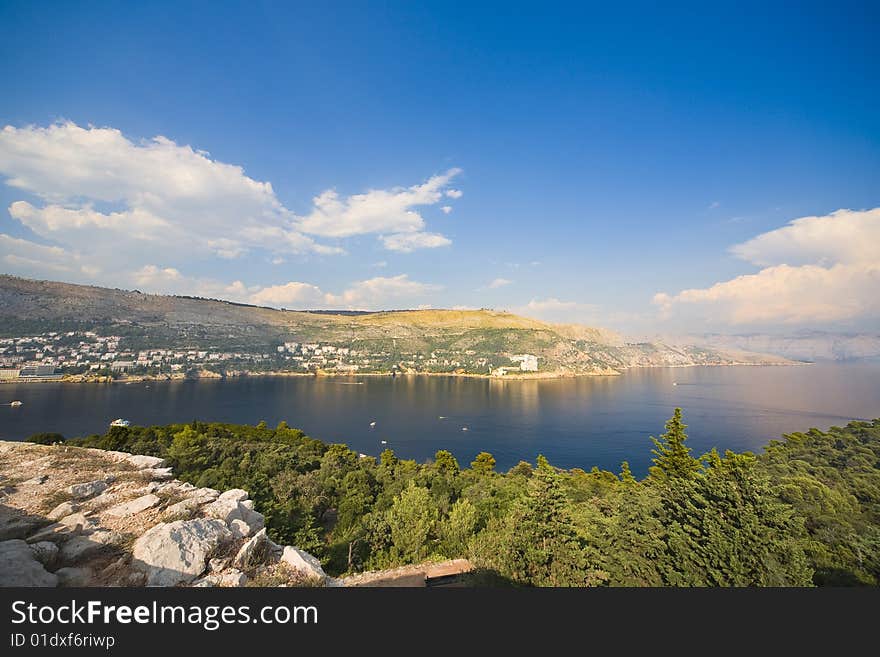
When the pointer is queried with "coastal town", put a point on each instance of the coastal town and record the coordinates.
(56, 355)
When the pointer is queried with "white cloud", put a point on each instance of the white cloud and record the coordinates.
(301, 295)
(446, 209)
(168, 280)
(454, 193)
(105, 198)
(844, 236)
(379, 292)
(155, 190)
(381, 264)
(553, 309)
(377, 211)
(407, 242)
(499, 282)
(821, 269)
(32, 259)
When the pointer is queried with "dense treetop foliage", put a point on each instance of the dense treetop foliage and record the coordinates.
(806, 511)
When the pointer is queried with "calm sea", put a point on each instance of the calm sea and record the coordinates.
(574, 422)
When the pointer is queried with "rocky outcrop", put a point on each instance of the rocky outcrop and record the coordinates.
(177, 552)
(19, 566)
(86, 517)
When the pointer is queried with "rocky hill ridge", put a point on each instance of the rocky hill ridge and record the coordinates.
(85, 517)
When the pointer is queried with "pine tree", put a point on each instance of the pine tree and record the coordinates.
(673, 458)
(544, 550)
(626, 475)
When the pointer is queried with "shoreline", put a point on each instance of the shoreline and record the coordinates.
(532, 376)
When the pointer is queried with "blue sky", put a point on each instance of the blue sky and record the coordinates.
(609, 161)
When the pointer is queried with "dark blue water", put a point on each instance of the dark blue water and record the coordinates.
(573, 422)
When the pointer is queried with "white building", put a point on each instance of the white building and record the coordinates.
(527, 362)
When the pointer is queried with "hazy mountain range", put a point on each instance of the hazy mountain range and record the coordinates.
(805, 346)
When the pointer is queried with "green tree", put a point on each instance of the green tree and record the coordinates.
(412, 520)
(725, 527)
(626, 475)
(189, 451)
(483, 464)
(672, 457)
(537, 543)
(445, 463)
(457, 528)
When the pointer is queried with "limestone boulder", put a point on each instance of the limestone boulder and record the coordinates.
(87, 490)
(234, 494)
(134, 506)
(75, 523)
(45, 552)
(19, 566)
(84, 547)
(230, 509)
(141, 462)
(303, 562)
(177, 552)
(254, 552)
(62, 510)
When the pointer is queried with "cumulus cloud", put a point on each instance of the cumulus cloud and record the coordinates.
(553, 309)
(446, 209)
(454, 193)
(498, 282)
(378, 211)
(102, 197)
(106, 194)
(379, 292)
(292, 294)
(407, 242)
(32, 259)
(818, 269)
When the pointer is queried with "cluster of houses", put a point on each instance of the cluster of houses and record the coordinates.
(51, 354)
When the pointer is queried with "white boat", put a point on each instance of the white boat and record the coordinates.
(384, 442)
(373, 423)
(15, 403)
(119, 422)
(464, 428)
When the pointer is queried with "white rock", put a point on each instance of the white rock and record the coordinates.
(253, 552)
(88, 489)
(239, 528)
(229, 510)
(303, 562)
(203, 495)
(68, 525)
(63, 509)
(217, 564)
(233, 577)
(158, 473)
(134, 506)
(206, 582)
(19, 566)
(183, 508)
(45, 552)
(104, 499)
(75, 577)
(234, 494)
(141, 461)
(81, 547)
(177, 552)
